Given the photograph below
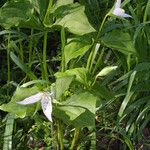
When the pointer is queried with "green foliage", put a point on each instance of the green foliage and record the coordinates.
(70, 19)
(120, 41)
(95, 66)
(78, 110)
(19, 110)
(15, 12)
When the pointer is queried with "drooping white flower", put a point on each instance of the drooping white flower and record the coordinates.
(46, 102)
(118, 11)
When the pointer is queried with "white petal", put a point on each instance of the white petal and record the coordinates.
(118, 4)
(120, 12)
(125, 15)
(32, 99)
(46, 103)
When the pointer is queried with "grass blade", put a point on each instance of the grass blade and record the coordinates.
(8, 132)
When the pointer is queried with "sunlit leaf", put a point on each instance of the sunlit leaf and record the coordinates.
(120, 41)
(76, 47)
(74, 19)
(17, 109)
(78, 110)
(62, 84)
(106, 71)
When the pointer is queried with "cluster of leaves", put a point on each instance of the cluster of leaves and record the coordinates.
(99, 76)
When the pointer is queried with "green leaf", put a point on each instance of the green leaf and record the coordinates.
(74, 19)
(40, 7)
(13, 12)
(8, 132)
(61, 3)
(102, 92)
(62, 84)
(128, 95)
(106, 71)
(80, 74)
(78, 110)
(17, 109)
(119, 41)
(21, 65)
(76, 47)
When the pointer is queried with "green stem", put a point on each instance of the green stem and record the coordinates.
(90, 62)
(48, 10)
(60, 135)
(60, 131)
(8, 64)
(31, 47)
(21, 49)
(98, 61)
(44, 56)
(146, 11)
(74, 144)
(63, 42)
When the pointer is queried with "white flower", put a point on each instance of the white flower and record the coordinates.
(119, 11)
(46, 102)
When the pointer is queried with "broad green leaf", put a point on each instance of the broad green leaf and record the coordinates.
(76, 47)
(119, 41)
(74, 19)
(13, 12)
(106, 71)
(78, 110)
(61, 3)
(17, 109)
(102, 92)
(62, 84)
(40, 7)
(80, 74)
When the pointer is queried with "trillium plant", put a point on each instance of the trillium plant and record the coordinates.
(46, 102)
(81, 82)
(118, 11)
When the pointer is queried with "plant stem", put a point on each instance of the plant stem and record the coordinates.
(48, 10)
(30, 47)
(60, 135)
(8, 64)
(90, 62)
(21, 48)
(74, 144)
(60, 131)
(146, 11)
(98, 61)
(63, 42)
(44, 56)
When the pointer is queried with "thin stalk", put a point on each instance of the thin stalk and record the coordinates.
(89, 62)
(60, 135)
(31, 47)
(63, 42)
(48, 10)
(8, 63)
(44, 56)
(21, 49)
(98, 61)
(146, 11)
(128, 62)
(60, 131)
(74, 144)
